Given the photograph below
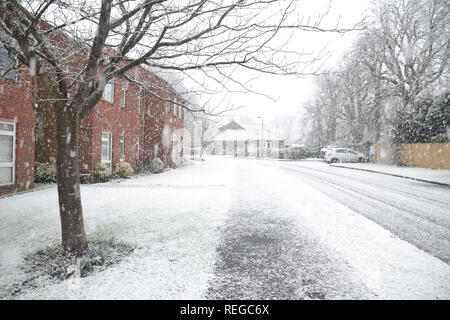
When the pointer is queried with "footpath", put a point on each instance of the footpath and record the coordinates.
(436, 176)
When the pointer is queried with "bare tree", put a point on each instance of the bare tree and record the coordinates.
(74, 48)
(283, 126)
(387, 80)
(416, 41)
(206, 133)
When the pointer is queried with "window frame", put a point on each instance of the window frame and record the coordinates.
(123, 98)
(110, 149)
(104, 94)
(13, 163)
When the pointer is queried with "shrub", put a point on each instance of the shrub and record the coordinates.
(146, 168)
(183, 162)
(45, 172)
(157, 166)
(123, 169)
(101, 173)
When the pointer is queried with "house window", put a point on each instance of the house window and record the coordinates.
(175, 110)
(179, 111)
(7, 152)
(107, 149)
(6, 65)
(122, 148)
(108, 92)
(123, 98)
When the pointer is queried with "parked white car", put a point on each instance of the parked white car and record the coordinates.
(344, 155)
(324, 150)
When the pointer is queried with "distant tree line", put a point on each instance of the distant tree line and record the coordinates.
(393, 85)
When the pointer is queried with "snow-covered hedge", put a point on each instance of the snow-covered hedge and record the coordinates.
(45, 172)
(157, 166)
(101, 173)
(123, 169)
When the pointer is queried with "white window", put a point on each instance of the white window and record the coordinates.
(179, 111)
(107, 149)
(7, 152)
(175, 110)
(123, 98)
(108, 92)
(122, 148)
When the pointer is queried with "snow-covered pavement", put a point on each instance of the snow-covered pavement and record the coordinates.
(224, 228)
(425, 174)
(173, 217)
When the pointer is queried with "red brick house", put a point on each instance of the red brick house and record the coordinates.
(17, 128)
(129, 124)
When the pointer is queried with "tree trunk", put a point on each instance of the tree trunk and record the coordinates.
(68, 179)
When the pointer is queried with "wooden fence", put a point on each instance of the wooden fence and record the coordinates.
(425, 155)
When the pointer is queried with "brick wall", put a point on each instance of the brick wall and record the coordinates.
(16, 105)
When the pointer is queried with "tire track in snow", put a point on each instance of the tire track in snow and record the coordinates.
(410, 224)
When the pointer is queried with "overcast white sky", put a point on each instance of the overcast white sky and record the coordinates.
(290, 91)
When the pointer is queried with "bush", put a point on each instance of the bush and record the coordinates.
(143, 169)
(45, 172)
(123, 169)
(101, 173)
(298, 153)
(157, 166)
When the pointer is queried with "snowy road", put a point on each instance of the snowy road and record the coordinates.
(245, 229)
(286, 239)
(415, 211)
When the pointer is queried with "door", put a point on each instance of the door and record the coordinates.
(341, 155)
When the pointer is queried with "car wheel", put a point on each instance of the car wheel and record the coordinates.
(361, 159)
(334, 160)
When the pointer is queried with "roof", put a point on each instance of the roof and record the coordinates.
(237, 132)
(232, 125)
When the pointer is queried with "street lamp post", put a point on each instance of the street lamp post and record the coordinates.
(262, 136)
